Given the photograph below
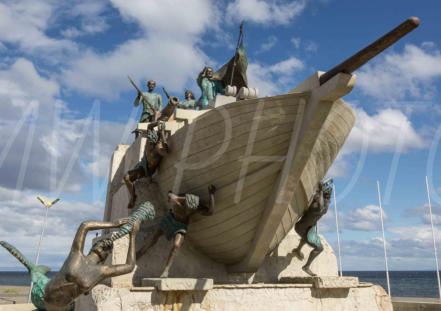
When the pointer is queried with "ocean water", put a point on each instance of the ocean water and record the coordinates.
(402, 283)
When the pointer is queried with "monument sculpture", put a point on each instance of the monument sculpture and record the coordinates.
(155, 148)
(189, 102)
(306, 227)
(80, 273)
(267, 157)
(209, 86)
(151, 102)
(174, 225)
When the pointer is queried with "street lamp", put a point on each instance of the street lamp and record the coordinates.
(47, 205)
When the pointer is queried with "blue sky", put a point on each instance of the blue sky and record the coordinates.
(65, 103)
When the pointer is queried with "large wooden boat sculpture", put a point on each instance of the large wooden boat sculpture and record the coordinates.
(265, 156)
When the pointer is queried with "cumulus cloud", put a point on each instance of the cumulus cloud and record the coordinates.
(296, 41)
(45, 146)
(21, 221)
(170, 19)
(171, 63)
(363, 218)
(25, 23)
(383, 131)
(388, 130)
(271, 79)
(166, 51)
(412, 249)
(90, 15)
(397, 76)
(265, 12)
(422, 212)
(268, 44)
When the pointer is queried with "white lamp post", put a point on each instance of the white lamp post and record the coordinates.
(47, 205)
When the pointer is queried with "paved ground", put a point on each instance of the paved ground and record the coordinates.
(9, 294)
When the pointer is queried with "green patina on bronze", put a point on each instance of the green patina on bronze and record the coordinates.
(189, 102)
(38, 277)
(146, 211)
(154, 99)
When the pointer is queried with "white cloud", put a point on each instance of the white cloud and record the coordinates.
(90, 15)
(267, 45)
(423, 213)
(169, 18)
(397, 76)
(296, 42)
(167, 50)
(25, 23)
(311, 47)
(265, 12)
(363, 218)
(271, 79)
(171, 63)
(383, 131)
(21, 220)
(56, 141)
(411, 249)
(389, 130)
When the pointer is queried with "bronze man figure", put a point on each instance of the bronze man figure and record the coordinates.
(80, 273)
(154, 101)
(307, 226)
(155, 148)
(174, 225)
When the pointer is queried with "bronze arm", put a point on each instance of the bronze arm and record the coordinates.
(115, 270)
(86, 226)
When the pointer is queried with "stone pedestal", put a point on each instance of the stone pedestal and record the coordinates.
(324, 281)
(174, 284)
(238, 297)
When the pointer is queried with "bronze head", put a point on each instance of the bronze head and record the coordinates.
(151, 85)
(209, 72)
(189, 95)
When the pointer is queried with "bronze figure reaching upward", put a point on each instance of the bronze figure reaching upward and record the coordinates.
(174, 225)
(155, 148)
(80, 273)
(307, 226)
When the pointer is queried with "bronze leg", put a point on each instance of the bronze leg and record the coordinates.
(314, 253)
(129, 178)
(150, 243)
(297, 251)
(179, 238)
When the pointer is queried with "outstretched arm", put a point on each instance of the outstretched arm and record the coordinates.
(208, 211)
(115, 270)
(86, 226)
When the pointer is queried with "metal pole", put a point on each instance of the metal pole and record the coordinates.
(384, 238)
(338, 233)
(38, 249)
(433, 237)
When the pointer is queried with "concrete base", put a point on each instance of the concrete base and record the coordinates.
(173, 284)
(324, 282)
(18, 307)
(238, 297)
